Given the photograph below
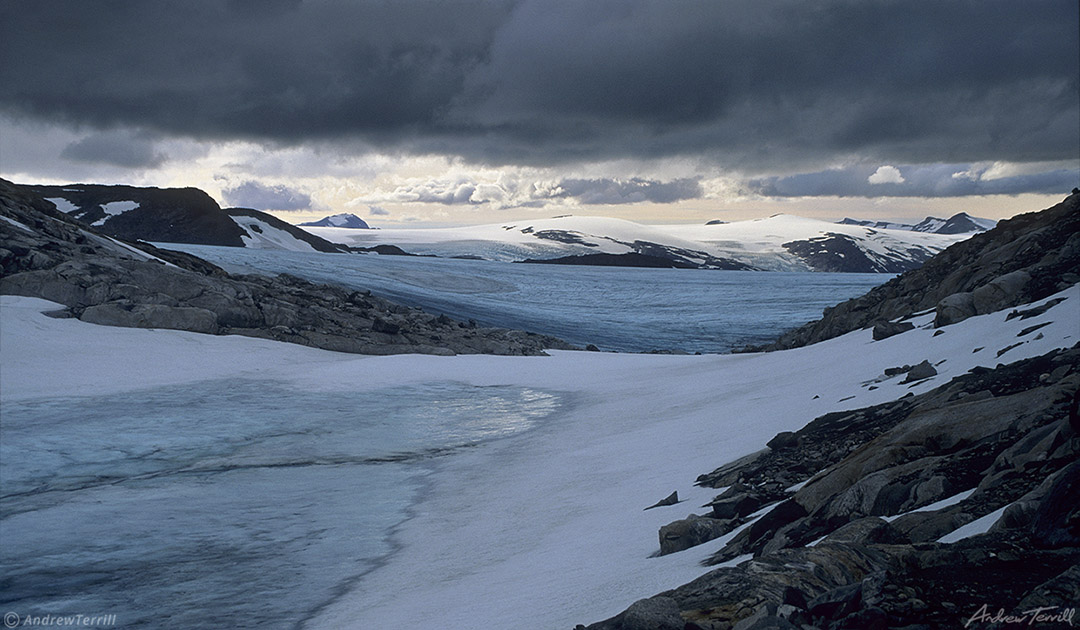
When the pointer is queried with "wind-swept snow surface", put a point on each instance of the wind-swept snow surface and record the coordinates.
(261, 235)
(544, 529)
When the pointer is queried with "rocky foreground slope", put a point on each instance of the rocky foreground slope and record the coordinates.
(857, 520)
(47, 254)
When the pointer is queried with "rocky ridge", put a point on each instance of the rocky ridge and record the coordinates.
(169, 215)
(666, 260)
(99, 279)
(858, 508)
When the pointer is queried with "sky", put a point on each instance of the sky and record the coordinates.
(443, 112)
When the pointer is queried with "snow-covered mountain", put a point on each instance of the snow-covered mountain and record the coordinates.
(778, 243)
(960, 223)
(176, 215)
(344, 220)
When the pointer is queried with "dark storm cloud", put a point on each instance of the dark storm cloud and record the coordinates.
(263, 197)
(754, 84)
(116, 149)
(941, 180)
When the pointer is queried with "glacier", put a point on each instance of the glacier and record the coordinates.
(614, 308)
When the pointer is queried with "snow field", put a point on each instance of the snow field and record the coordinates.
(262, 235)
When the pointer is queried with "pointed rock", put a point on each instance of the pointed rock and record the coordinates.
(671, 499)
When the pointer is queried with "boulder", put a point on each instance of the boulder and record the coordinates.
(919, 372)
(954, 308)
(689, 532)
(884, 330)
(655, 613)
(1001, 292)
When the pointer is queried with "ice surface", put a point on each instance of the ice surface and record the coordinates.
(227, 503)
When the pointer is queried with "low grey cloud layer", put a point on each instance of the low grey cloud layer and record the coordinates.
(123, 149)
(764, 86)
(635, 190)
(264, 197)
(520, 193)
(940, 180)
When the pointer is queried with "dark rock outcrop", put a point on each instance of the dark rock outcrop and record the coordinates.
(172, 215)
(649, 255)
(631, 259)
(47, 254)
(167, 215)
(842, 253)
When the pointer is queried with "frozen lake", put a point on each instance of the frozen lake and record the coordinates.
(224, 504)
(615, 308)
(256, 503)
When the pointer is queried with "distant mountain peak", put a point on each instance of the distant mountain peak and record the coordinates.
(959, 223)
(343, 220)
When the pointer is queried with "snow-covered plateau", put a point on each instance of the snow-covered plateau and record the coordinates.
(777, 243)
(537, 526)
